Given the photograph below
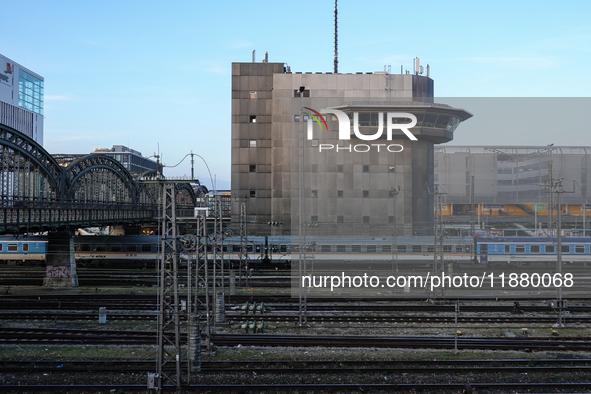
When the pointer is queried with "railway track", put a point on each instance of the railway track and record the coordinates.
(537, 343)
(240, 318)
(442, 388)
(317, 366)
(22, 336)
(60, 337)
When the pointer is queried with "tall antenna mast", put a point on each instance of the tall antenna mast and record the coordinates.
(336, 40)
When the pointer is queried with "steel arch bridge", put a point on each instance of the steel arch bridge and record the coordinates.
(40, 193)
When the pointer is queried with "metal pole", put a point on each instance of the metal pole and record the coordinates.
(303, 314)
(560, 322)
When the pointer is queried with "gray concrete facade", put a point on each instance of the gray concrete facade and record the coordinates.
(346, 191)
(512, 174)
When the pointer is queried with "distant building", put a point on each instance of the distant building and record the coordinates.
(21, 99)
(509, 180)
(131, 159)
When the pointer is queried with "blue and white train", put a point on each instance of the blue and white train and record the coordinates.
(532, 250)
(24, 249)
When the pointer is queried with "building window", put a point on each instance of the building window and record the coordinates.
(253, 94)
(252, 143)
(314, 218)
(314, 193)
(253, 218)
(365, 168)
(296, 93)
(339, 193)
(252, 168)
(252, 119)
(340, 168)
(30, 92)
(366, 193)
(340, 219)
(366, 219)
(390, 219)
(253, 193)
(392, 169)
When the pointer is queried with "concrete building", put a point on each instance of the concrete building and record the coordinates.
(346, 189)
(508, 180)
(21, 99)
(131, 159)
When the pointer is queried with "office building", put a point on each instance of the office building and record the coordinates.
(131, 159)
(21, 99)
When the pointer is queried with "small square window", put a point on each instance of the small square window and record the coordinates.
(296, 118)
(340, 168)
(340, 219)
(253, 193)
(252, 143)
(390, 219)
(253, 119)
(314, 218)
(253, 218)
(314, 193)
(366, 193)
(366, 219)
(365, 168)
(253, 94)
(296, 93)
(339, 193)
(306, 117)
(252, 168)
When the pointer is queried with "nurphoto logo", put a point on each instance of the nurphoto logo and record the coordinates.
(345, 129)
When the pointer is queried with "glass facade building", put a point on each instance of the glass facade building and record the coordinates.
(30, 92)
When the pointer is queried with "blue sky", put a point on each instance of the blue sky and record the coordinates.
(156, 75)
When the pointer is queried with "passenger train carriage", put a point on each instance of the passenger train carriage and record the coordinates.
(18, 250)
(532, 250)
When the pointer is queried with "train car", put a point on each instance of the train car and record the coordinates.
(116, 248)
(531, 250)
(407, 249)
(22, 250)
